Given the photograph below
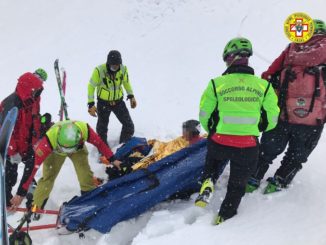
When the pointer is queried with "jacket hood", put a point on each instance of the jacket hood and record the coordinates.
(27, 84)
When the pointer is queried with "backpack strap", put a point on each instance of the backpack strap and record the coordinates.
(263, 123)
(315, 72)
(214, 87)
(289, 77)
(323, 73)
(214, 118)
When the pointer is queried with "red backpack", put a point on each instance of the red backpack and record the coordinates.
(302, 92)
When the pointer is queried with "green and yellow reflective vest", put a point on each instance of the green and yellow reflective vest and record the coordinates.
(239, 99)
(108, 88)
(52, 134)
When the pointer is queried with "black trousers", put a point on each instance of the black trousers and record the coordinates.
(301, 141)
(11, 174)
(242, 163)
(104, 110)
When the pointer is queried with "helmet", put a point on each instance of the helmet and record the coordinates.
(42, 74)
(69, 137)
(238, 45)
(320, 27)
(192, 126)
(114, 58)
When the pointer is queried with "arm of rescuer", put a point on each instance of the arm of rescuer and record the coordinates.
(42, 150)
(271, 109)
(93, 83)
(208, 103)
(107, 155)
(276, 66)
(126, 84)
(95, 140)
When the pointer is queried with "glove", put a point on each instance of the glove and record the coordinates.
(104, 160)
(112, 161)
(15, 159)
(133, 103)
(132, 99)
(92, 110)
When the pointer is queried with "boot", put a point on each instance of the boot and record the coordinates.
(205, 194)
(273, 186)
(252, 185)
(218, 220)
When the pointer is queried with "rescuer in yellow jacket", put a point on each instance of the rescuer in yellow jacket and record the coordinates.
(107, 80)
(234, 108)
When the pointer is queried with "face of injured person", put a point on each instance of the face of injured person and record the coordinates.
(186, 134)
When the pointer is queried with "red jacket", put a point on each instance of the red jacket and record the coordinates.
(276, 66)
(27, 128)
(303, 53)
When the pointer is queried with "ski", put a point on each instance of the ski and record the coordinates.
(5, 134)
(64, 82)
(59, 81)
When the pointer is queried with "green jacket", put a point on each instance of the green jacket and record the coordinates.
(239, 98)
(52, 134)
(108, 88)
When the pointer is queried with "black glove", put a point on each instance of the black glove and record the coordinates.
(90, 104)
(130, 96)
(263, 121)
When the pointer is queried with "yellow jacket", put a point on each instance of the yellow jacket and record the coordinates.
(161, 150)
(108, 88)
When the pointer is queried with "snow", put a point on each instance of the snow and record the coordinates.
(172, 49)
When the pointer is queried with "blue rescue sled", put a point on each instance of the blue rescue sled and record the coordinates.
(133, 194)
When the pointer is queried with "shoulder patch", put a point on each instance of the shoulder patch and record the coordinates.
(39, 152)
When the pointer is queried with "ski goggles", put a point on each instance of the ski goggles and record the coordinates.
(37, 93)
(67, 150)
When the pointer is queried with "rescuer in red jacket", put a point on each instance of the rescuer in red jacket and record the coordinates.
(27, 129)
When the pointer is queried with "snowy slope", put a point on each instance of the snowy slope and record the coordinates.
(172, 48)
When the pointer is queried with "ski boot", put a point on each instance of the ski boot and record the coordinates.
(218, 220)
(35, 216)
(205, 194)
(252, 185)
(273, 186)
